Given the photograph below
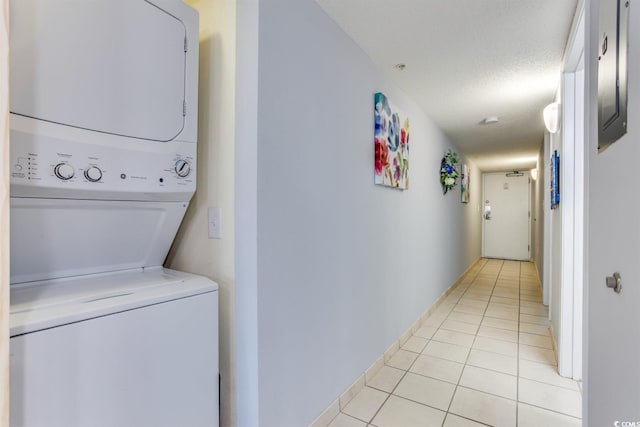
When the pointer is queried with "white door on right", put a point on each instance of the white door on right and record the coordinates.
(505, 223)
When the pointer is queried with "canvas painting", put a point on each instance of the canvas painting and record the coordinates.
(464, 184)
(391, 139)
(555, 179)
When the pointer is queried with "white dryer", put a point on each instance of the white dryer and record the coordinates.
(103, 164)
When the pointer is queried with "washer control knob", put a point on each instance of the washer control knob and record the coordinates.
(93, 174)
(64, 171)
(183, 168)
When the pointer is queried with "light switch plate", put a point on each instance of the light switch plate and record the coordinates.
(215, 223)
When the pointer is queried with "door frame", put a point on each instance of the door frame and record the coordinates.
(570, 338)
(4, 212)
(528, 175)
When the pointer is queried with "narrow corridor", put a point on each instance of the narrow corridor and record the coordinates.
(483, 357)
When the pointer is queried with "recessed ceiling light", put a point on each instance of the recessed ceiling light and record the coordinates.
(489, 120)
(400, 67)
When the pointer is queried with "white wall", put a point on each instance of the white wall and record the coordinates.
(343, 267)
(612, 329)
(555, 224)
(192, 250)
(546, 220)
(552, 287)
(537, 211)
(471, 221)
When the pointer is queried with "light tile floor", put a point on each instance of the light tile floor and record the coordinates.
(484, 357)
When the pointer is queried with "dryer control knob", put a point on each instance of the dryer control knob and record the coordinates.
(183, 168)
(64, 171)
(93, 174)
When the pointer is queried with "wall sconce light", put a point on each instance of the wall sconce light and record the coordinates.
(534, 174)
(551, 116)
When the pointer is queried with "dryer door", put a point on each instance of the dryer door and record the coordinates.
(113, 66)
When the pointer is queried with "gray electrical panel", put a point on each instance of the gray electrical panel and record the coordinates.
(612, 72)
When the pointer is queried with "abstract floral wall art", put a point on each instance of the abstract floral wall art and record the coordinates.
(555, 180)
(391, 141)
(464, 184)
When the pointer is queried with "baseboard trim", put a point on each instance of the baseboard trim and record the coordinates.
(343, 400)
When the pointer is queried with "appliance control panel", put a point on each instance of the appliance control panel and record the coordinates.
(43, 166)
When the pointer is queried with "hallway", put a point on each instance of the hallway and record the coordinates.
(483, 357)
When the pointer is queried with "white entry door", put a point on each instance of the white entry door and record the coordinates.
(506, 215)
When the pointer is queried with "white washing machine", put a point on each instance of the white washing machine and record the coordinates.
(103, 159)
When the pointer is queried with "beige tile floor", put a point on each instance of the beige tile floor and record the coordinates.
(484, 357)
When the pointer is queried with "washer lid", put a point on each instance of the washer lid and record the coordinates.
(113, 66)
(47, 304)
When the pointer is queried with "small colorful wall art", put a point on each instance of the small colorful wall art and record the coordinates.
(555, 179)
(448, 171)
(391, 138)
(464, 184)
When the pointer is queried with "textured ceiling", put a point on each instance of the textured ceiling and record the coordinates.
(467, 60)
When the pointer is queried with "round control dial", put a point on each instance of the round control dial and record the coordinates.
(64, 171)
(183, 168)
(93, 174)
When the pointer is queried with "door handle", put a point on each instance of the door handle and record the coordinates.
(615, 282)
(487, 211)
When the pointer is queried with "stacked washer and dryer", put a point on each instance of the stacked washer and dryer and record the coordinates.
(103, 157)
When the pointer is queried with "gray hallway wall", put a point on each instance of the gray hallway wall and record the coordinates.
(342, 267)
